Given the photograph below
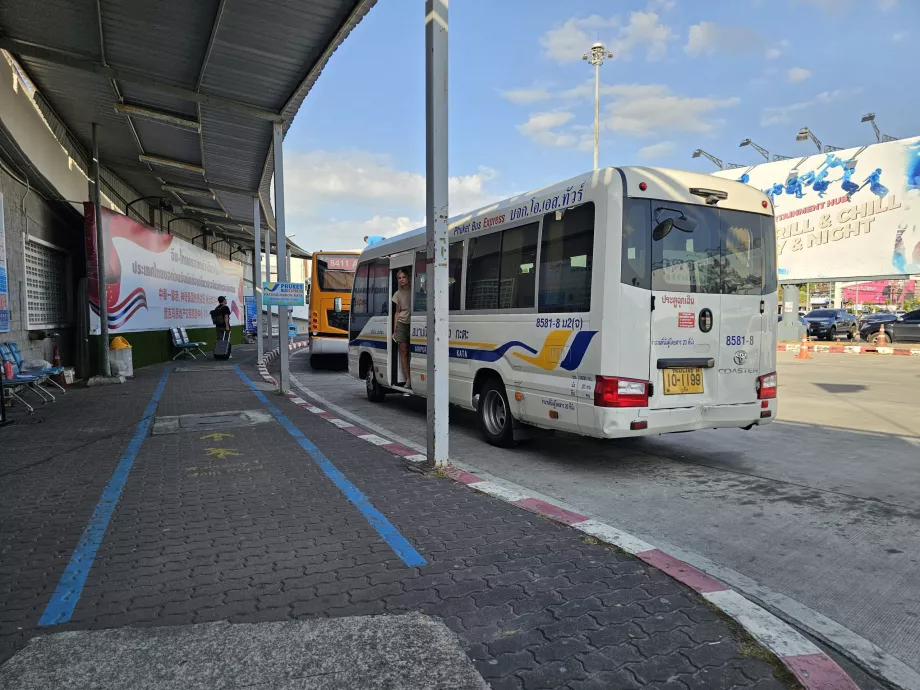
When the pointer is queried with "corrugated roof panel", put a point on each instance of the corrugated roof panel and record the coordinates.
(262, 52)
(168, 141)
(231, 143)
(63, 24)
(138, 95)
(164, 38)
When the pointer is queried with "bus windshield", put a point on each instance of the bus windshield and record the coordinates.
(336, 273)
(699, 248)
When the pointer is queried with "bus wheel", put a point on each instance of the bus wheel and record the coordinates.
(495, 415)
(375, 392)
(314, 361)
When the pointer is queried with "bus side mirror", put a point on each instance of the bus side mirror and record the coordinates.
(663, 229)
(338, 305)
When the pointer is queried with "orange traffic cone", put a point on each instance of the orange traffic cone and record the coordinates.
(882, 339)
(803, 349)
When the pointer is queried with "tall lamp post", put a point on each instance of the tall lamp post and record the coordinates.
(881, 138)
(596, 57)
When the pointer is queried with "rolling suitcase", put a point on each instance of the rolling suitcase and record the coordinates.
(222, 347)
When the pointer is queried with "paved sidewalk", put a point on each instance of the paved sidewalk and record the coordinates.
(293, 518)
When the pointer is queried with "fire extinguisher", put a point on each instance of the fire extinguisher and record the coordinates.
(7, 370)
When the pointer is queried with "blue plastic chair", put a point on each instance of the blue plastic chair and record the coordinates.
(20, 381)
(46, 372)
(181, 342)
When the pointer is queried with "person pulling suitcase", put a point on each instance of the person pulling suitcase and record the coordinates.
(220, 316)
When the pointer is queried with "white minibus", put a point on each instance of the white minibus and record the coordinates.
(623, 302)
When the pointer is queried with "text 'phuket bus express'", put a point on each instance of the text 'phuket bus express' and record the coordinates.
(623, 302)
(330, 298)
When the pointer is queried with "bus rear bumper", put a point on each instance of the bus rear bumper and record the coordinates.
(616, 423)
(328, 346)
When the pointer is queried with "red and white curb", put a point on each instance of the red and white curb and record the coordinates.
(850, 349)
(814, 668)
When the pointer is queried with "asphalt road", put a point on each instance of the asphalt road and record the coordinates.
(817, 515)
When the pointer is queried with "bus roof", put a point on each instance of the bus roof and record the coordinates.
(661, 183)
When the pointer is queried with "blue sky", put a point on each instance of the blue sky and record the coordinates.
(685, 74)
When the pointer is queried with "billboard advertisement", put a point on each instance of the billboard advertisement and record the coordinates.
(154, 281)
(4, 279)
(847, 214)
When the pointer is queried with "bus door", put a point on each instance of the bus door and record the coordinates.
(403, 261)
(687, 305)
(745, 317)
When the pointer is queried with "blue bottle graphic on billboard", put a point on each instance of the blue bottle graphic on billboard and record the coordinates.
(913, 166)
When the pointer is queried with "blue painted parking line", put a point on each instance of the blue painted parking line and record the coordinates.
(378, 521)
(64, 600)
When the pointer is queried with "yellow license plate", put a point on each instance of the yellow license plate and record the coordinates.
(683, 381)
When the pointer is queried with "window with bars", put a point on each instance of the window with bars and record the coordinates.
(47, 280)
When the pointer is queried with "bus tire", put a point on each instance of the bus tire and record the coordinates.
(494, 413)
(375, 392)
(314, 361)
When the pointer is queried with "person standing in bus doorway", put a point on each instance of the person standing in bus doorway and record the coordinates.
(402, 299)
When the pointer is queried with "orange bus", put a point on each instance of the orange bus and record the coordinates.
(330, 300)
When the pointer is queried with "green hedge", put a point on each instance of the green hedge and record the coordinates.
(153, 347)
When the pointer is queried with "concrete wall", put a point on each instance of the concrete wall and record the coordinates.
(27, 214)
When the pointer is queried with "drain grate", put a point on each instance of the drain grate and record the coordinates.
(209, 421)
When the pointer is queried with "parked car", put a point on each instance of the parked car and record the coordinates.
(799, 318)
(878, 317)
(903, 329)
(829, 323)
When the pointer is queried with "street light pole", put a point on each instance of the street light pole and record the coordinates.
(596, 57)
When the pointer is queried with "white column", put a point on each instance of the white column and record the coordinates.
(268, 279)
(436, 209)
(281, 245)
(257, 272)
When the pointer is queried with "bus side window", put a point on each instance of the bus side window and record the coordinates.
(380, 288)
(566, 260)
(636, 261)
(420, 289)
(455, 275)
(359, 291)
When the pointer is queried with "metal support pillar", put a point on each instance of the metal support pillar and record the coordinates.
(268, 278)
(105, 368)
(280, 244)
(436, 210)
(257, 274)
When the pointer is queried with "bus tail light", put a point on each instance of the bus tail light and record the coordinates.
(612, 391)
(766, 386)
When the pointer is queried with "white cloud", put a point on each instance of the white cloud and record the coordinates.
(526, 95)
(708, 38)
(643, 30)
(783, 114)
(330, 233)
(776, 52)
(569, 41)
(382, 198)
(797, 75)
(643, 110)
(660, 5)
(885, 5)
(898, 36)
(541, 128)
(654, 151)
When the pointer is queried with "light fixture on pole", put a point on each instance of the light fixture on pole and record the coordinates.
(163, 204)
(805, 134)
(870, 118)
(760, 149)
(715, 161)
(596, 57)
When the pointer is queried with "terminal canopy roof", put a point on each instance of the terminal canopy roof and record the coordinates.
(184, 92)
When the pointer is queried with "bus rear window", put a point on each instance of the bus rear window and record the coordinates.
(336, 273)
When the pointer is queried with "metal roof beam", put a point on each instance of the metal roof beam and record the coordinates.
(84, 64)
